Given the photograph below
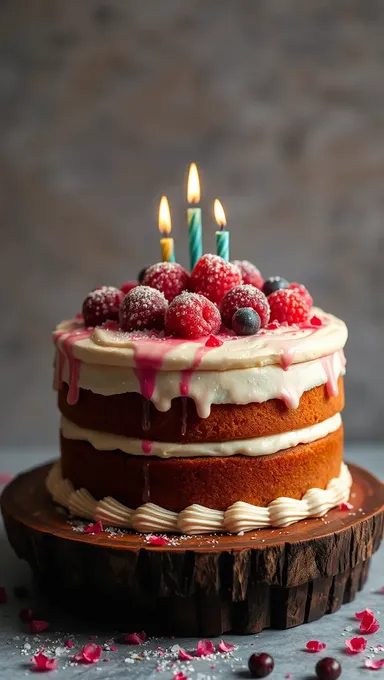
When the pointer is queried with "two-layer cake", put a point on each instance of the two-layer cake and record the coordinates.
(178, 417)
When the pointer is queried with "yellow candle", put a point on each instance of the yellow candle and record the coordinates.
(165, 226)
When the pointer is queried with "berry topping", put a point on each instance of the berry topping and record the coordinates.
(190, 316)
(169, 278)
(127, 286)
(289, 306)
(245, 296)
(102, 304)
(213, 277)
(249, 273)
(141, 274)
(307, 297)
(213, 341)
(260, 665)
(246, 321)
(328, 669)
(274, 283)
(143, 308)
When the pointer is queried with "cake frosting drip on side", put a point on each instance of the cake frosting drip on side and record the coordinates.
(196, 519)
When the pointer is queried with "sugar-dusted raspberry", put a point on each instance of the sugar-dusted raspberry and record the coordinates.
(191, 316)
(289, 306)
(250, 274)
(102, 304)
(307, 297)
(245, 296)
(127, 286)
(213, 277)
(143, 308)
(169, 278)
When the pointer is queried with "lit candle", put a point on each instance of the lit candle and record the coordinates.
(222, 235)
(194, 217)
(165, 226)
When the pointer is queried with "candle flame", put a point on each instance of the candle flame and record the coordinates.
(165, 224)
(219, 214)
(193, 188)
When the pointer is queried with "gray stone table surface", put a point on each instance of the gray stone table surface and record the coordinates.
(157, 658)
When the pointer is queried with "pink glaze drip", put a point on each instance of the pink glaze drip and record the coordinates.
(147, 446)
(146, 485)
(149, 355)
(64, 341)
(329, 368)
(186, 375)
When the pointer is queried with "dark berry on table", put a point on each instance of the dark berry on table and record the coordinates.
(250, 274)
(102, 304)
(169, 278)
(213, 277)
(260, 665)
(141, 274)
(246, 321)
(143, 308)
(288, 306)
(245, 296)
(328, 669)
(192, 316)
(273, 283)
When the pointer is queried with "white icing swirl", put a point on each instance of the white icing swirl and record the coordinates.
(258, 446)
(196, 519)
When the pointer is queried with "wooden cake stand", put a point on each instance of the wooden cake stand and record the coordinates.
(200, 585)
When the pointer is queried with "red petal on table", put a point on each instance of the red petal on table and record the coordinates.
(345, 506)
(225, 647)
(205, 647)
(43, 663)
(374, 665)
(360, 615)
(356, 645)
(288, 675)
(37, 626)
(180, 676)
(89, 654)
(134, 638)
(5, 478)
(96, 528)
(184, 656)
(69, 644)
(315, 646)
(381, 590)
(157, 540)
(369, 624)
(3, 595)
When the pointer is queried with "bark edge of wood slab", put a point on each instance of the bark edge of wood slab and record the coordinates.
(204, 585)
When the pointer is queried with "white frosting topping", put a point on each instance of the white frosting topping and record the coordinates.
(258, 446)
(196, 519)
(239, 386)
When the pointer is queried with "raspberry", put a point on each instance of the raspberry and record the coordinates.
(213, 277)
(127, 286)
(307, 297)
(250, 273)
(245, 296)
(143, 308)
(191, 315)
(288, 305)
(169, 278)
(102, 304)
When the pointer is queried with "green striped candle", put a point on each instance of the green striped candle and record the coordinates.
(222, 235)
(195, 226)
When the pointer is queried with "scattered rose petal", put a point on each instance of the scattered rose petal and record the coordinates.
(106, 659)
(26, 614)
(288, 675)
(5, 478)
(213, 341)
(356, 645)
(315, 321)
(369, 624)
(184, 656)
(315, 646)
(225, 647)
(37, 626)
(43, 663)
(89, 654)
(345, 506)
(113, 649)
(180, 676)
(205, 647)
(134, 638)
(157, 540)
(360, 615)
(381, 590)
(374, 665)
(69, 644)
(96, 528)
(3, 595)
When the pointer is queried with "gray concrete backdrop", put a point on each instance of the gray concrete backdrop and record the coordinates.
(103, 105)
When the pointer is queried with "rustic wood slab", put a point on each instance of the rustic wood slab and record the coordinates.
(200, 585)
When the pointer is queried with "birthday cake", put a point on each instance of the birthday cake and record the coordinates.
(200, 403)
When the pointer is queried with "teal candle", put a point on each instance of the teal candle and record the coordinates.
(222, 244)
(194, 235)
